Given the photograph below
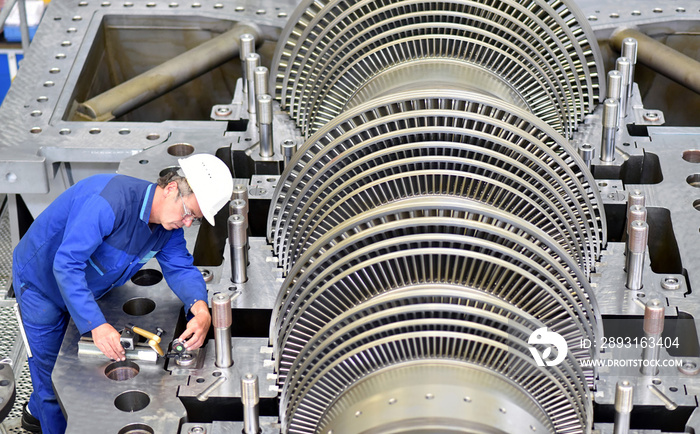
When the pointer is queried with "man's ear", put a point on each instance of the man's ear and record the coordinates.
(171, 188)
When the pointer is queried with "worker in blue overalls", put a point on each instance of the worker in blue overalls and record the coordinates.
(96, 236)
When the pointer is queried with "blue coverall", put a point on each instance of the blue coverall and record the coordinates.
(95, 236)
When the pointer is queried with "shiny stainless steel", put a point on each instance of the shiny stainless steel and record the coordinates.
(624, 65)
(247, 43)
(264, 116)
(654, 317)
(221, 321)
(238, 247)
(587, 153)
(252, 62)
(638, 238)
(611, 110)
(624, 403)
(288, 148)
(250, 396)
(628, 49)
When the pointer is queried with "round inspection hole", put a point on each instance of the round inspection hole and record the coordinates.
(136, 428)
(139, 306)
(153, 136)
(35, 130)
(4, 383)
(122, 371)
(180, 149)
(171, 169)
(656, 381)
(94, 131)
(133, 400)
(64, 131)
(49, 84)
(673, 389)
(143, 161)
(54, 71)
(692, 155)
(693, 180)
(147, 277)
(124, 132)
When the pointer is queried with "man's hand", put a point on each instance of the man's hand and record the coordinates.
(197, 328)
(106, 338)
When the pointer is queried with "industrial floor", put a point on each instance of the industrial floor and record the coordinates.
(8, 328)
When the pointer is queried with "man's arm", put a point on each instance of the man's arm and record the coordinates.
(88, 223)
(187, 283)
(197, 328)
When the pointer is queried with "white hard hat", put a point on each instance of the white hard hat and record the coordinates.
(211, 182)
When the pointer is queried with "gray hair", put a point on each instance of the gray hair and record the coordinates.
(173, 175)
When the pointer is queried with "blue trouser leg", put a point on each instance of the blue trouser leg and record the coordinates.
(45, 325)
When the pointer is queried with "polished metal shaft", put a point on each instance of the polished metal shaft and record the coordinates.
(634, 212)
(654, 316)
(610, 123)
(614, 84)
(288, 149)
(252, 61)
(587, 153)
(250, 396)
(204, 394)
(623, 407)
(221, 321)
(240, 191)
(624, 65)
(636, 197)
(238, 248)
(638, 236)
(247, 46)
(629, 50)
(265, 118)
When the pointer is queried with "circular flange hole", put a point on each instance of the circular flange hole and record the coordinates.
(171, 169)
(693, 180)
(122, 371)
(180, 149)
(139, 306)
(136, 428)
(692, 155)
(147, 277)
(133, 400)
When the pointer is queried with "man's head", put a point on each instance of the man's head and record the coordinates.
(204, 189)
